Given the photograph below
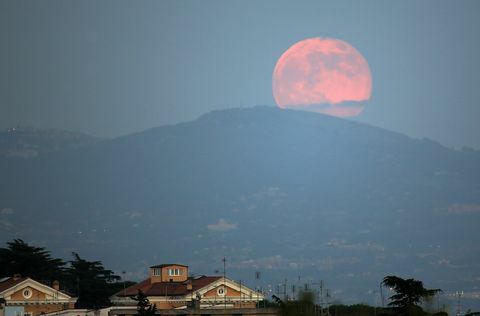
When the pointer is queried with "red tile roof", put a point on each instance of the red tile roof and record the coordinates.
(198, 283)
(168, 288)
(10, 282)
(168, 264)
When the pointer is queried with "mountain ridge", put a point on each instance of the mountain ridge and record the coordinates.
(268, 188)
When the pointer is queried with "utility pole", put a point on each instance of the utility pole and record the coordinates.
(327, 301)
(240, 293)
(321, 297)
(459, 306)
(381, 294)
(124, 295)
(257, 277)
(282, 289)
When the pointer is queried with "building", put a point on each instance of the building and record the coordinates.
(22, 296)
(132, 311)
(169, 286)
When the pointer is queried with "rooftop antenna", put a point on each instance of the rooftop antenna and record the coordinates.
(459, 306)
(224, 260)
(224, 281)
(257, 277)
(124, 292)
(224, 267)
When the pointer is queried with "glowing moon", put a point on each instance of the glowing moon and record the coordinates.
(324, 75)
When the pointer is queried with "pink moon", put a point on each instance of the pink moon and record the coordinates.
(323, 75)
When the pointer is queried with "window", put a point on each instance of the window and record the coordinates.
(221, 291)
(27, 293)
(175, 272)
(156, 271)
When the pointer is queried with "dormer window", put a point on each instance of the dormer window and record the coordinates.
(174, 272)
(157, 271)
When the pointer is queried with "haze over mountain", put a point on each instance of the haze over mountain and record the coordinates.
(27, 142)
(286, 193)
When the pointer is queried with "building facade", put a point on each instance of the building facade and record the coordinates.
(169, 286)
(23, 296)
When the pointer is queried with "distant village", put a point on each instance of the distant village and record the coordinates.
(32, 283)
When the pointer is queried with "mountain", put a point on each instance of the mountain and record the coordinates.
(291, 194)
(29, 142)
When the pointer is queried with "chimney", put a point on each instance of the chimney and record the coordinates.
(17, 276)
(56, 285)
(189, 285)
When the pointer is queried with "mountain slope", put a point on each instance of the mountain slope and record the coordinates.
(286, 192)
(28, 142)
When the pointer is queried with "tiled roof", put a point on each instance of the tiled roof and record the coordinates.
(168, 288)
(10, 282)
(198, 283)
(168, 264)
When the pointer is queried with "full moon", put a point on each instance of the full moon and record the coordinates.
(323, 75)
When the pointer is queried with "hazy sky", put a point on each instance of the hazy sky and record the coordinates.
(109, 68)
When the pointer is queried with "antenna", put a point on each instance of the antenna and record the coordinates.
(257, 277)
(123, 279)
(282, 290)
(241, 298)
(381, 294)
(224, 266)
(321, 297)
(459, 306)
(224, 281)
(328, 303)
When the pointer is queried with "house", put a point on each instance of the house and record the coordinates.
(22, 296)
(169, 286)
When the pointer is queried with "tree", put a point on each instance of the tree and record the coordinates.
(144, 307)
(408, 292)
(304, 306)
(35, 262)
(91, 282)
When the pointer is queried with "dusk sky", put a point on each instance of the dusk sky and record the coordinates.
(110, 68)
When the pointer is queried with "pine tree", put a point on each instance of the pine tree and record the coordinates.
(91, 282)
(34, 262)
(408, 292)
(144, 307)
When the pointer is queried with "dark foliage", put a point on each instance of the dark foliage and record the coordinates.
(357, 310)
(93, 282)
(87, 280)
(144, 307)
(35, 262)
(408, 292)
(304, 306)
